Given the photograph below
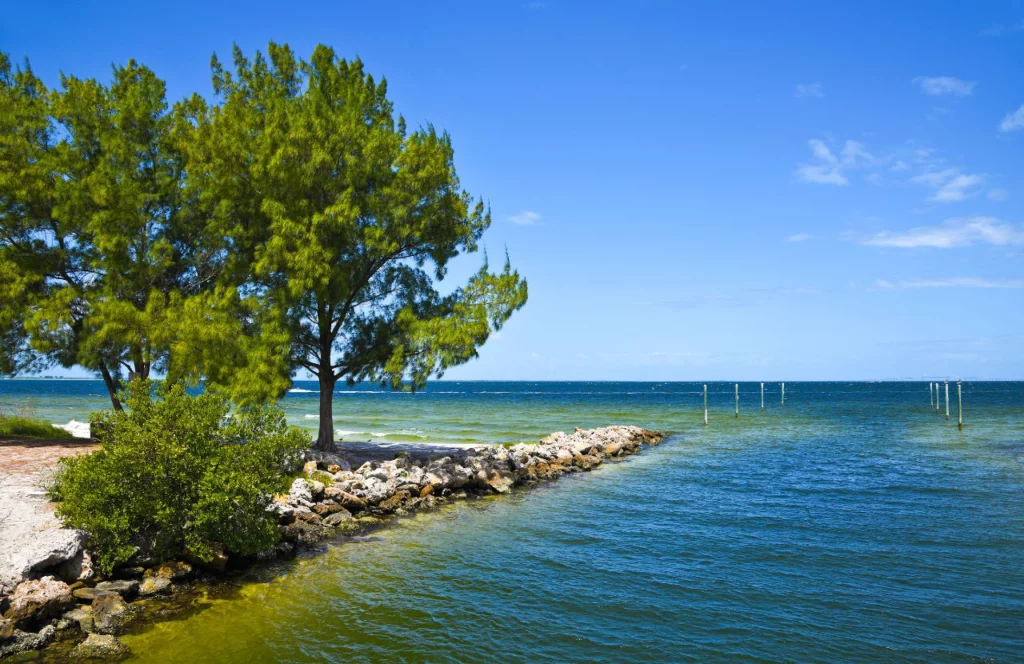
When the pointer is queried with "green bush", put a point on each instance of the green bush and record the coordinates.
(178, 474)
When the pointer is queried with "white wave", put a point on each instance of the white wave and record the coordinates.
(309, 416)
(299, 390)
(76, 428)
(346, 432)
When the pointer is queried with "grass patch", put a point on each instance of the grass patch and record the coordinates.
(21, 425)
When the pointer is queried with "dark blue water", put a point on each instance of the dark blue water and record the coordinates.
(855, 524)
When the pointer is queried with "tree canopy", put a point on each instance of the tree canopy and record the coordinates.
(348, 221)
(292, 222)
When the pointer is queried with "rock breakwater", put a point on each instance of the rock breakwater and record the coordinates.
(339, 494)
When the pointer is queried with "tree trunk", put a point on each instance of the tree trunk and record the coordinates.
(112, 386)
(325, 438)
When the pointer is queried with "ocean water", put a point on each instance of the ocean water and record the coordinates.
(854, 524)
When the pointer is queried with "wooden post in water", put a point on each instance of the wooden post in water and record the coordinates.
(959, 408)
(931, 402)
(762, 395)
(947, 400)
(705, 405)
(938, 400)
(783, 394)
(737, 400)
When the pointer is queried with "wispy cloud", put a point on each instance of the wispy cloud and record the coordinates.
(525, 218)
(816, 90)
(1013, 121)
(799, 237)
(952, 282)
(998, 195)
(997, 29)
(950, 184)
(944, 85)
(952, 233)
(829, 167)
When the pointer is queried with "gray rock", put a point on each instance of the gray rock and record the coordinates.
(154, 585)
(24, 641)
(78, 568)
(100, 646)
(338, 517)
(126, 588)
(301, 493)
(111, 614)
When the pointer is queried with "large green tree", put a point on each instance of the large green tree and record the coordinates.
(344, 223)
(101, 245)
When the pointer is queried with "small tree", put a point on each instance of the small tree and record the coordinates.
(348, 221)
(177, 475)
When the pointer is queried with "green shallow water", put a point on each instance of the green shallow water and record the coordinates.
(853, 525)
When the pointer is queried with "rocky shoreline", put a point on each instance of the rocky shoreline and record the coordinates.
(60, 599)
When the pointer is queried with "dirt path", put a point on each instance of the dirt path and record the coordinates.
(29, 532)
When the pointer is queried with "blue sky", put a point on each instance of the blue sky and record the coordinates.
(694, 191)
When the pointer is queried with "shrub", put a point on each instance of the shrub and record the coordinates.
(178, 474)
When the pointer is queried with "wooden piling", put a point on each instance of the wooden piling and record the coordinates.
(938, 400)
(783, 394)
(947, 400)
(762, 395)
(959, 408)
(737, 400)
(705, 405)
(931, 402)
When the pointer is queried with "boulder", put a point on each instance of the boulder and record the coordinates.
(38, 599)
(394, 502)
(326, 509)
(100, 646)
(111, 614)
(6, 629)
(309, 468)
(175, 570)
(347, 500)
(154, 585)
(82, 616)
(21, 641)
(48, 547)
(126, 588)
(316, 488)
(301, 493)
(337, 518)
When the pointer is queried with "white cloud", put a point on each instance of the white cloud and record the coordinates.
(799, 237)
(1013, 121)
(950, 184)
(829, 167)
(997, 29)
(952, 282)
(998, 195)
(944, 85)
(525, 218)
(952, 233)
(816, 90)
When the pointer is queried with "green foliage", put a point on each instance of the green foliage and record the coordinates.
(176, 474)
(19, 424)
(100, 244)
(348, 220)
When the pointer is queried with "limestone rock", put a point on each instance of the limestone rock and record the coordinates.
(154, 585)
(175, 570)
(337, 518)
(347, 500)
(101, 646)
(39, 598)
(301, 493)
(111, 614)
(21, 641)
(6, 629)
(76, 568)
(126, 588)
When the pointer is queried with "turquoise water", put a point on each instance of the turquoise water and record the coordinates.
(855, 524)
